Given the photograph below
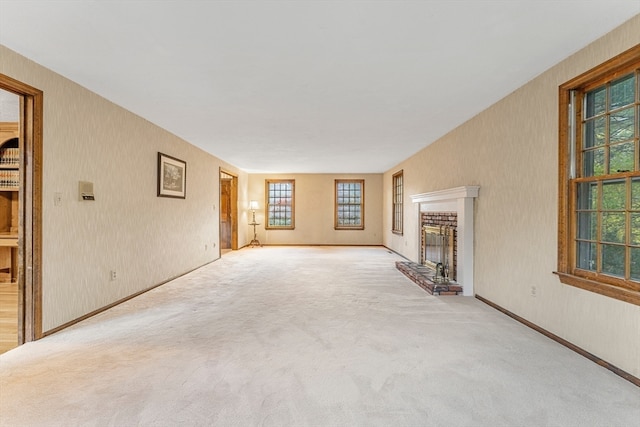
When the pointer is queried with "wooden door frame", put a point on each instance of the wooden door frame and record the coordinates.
(233, 205)
(30, 200)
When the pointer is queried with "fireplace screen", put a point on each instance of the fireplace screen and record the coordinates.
(439, 246)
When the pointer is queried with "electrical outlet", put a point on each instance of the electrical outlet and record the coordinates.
(533, 291)
(114, 276)
(57, 199)
(206, 247)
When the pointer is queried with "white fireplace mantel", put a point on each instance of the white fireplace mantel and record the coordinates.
(449, 194)
(459, 200)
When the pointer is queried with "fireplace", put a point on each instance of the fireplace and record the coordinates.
(438, 241)
(450, 213)
(438, 251)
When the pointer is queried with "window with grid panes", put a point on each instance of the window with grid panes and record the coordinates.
(349, 208)
(599, 233)
(280, 195)
(397, 202)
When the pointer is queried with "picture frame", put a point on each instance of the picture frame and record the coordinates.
(172, 177)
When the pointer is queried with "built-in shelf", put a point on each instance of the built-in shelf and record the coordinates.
(9, 192)
(8, 239)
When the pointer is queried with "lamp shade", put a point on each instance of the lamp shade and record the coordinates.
(253, 205)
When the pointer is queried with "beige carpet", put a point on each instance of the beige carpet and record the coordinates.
(297, 336)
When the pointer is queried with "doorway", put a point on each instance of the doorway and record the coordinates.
(228, 211)
(20, 213)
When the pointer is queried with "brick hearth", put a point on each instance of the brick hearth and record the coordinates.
(420, 275)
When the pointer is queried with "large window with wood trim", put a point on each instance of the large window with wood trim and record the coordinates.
(398, 199)
(349, 204)
(280, 203)
(599, 221)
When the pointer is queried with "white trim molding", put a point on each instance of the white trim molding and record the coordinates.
(459, 200)
(449, 194)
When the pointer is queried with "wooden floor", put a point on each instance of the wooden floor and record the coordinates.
(8, 316)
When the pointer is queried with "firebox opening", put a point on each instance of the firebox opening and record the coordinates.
(438, 242)
(439, 250)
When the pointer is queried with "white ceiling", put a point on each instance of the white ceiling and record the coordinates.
(306, 86)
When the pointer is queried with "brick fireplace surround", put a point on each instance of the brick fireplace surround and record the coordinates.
(449, 219)
(459, 200)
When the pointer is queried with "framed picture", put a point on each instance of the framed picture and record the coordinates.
(172, 177)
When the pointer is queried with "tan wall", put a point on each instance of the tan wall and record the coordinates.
(511, 151)
(146, 239)
(314, 217)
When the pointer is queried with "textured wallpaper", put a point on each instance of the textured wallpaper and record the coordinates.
(9, 106)
(314, 211)
(128, 229)
(511, 151)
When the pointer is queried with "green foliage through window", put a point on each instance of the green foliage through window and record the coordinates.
(398, 199)
(608, 193)
(349, 204)
(280, 204)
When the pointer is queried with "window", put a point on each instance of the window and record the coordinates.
(349, 209)
(599, 218)
(280, 196)
(397, 203)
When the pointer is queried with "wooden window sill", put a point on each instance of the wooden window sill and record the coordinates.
(626, 295)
